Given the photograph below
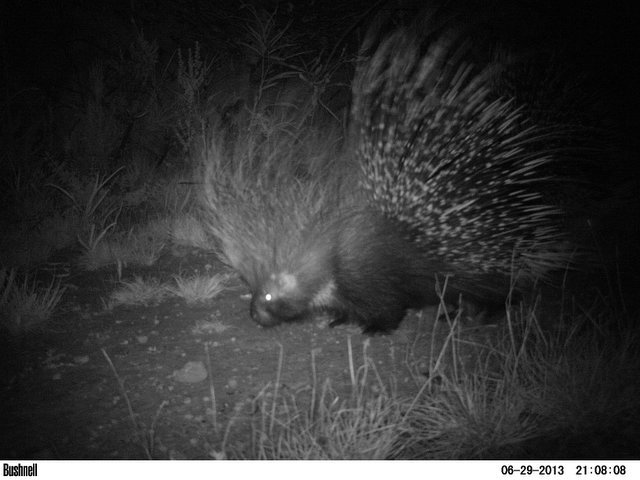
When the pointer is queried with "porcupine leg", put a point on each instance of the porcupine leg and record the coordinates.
(339, 318)
(383, 323)
(376, 329)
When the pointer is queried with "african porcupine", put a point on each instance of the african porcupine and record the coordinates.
(450, 184)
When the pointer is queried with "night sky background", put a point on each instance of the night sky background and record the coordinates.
(46, 46)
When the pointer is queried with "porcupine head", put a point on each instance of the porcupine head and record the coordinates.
(297, 280)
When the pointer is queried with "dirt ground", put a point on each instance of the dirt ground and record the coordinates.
(61, 398)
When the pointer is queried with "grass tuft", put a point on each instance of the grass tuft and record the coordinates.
(24, 305)
(198, 288)
(138, 292)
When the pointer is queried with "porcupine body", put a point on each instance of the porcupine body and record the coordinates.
(453, 181)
